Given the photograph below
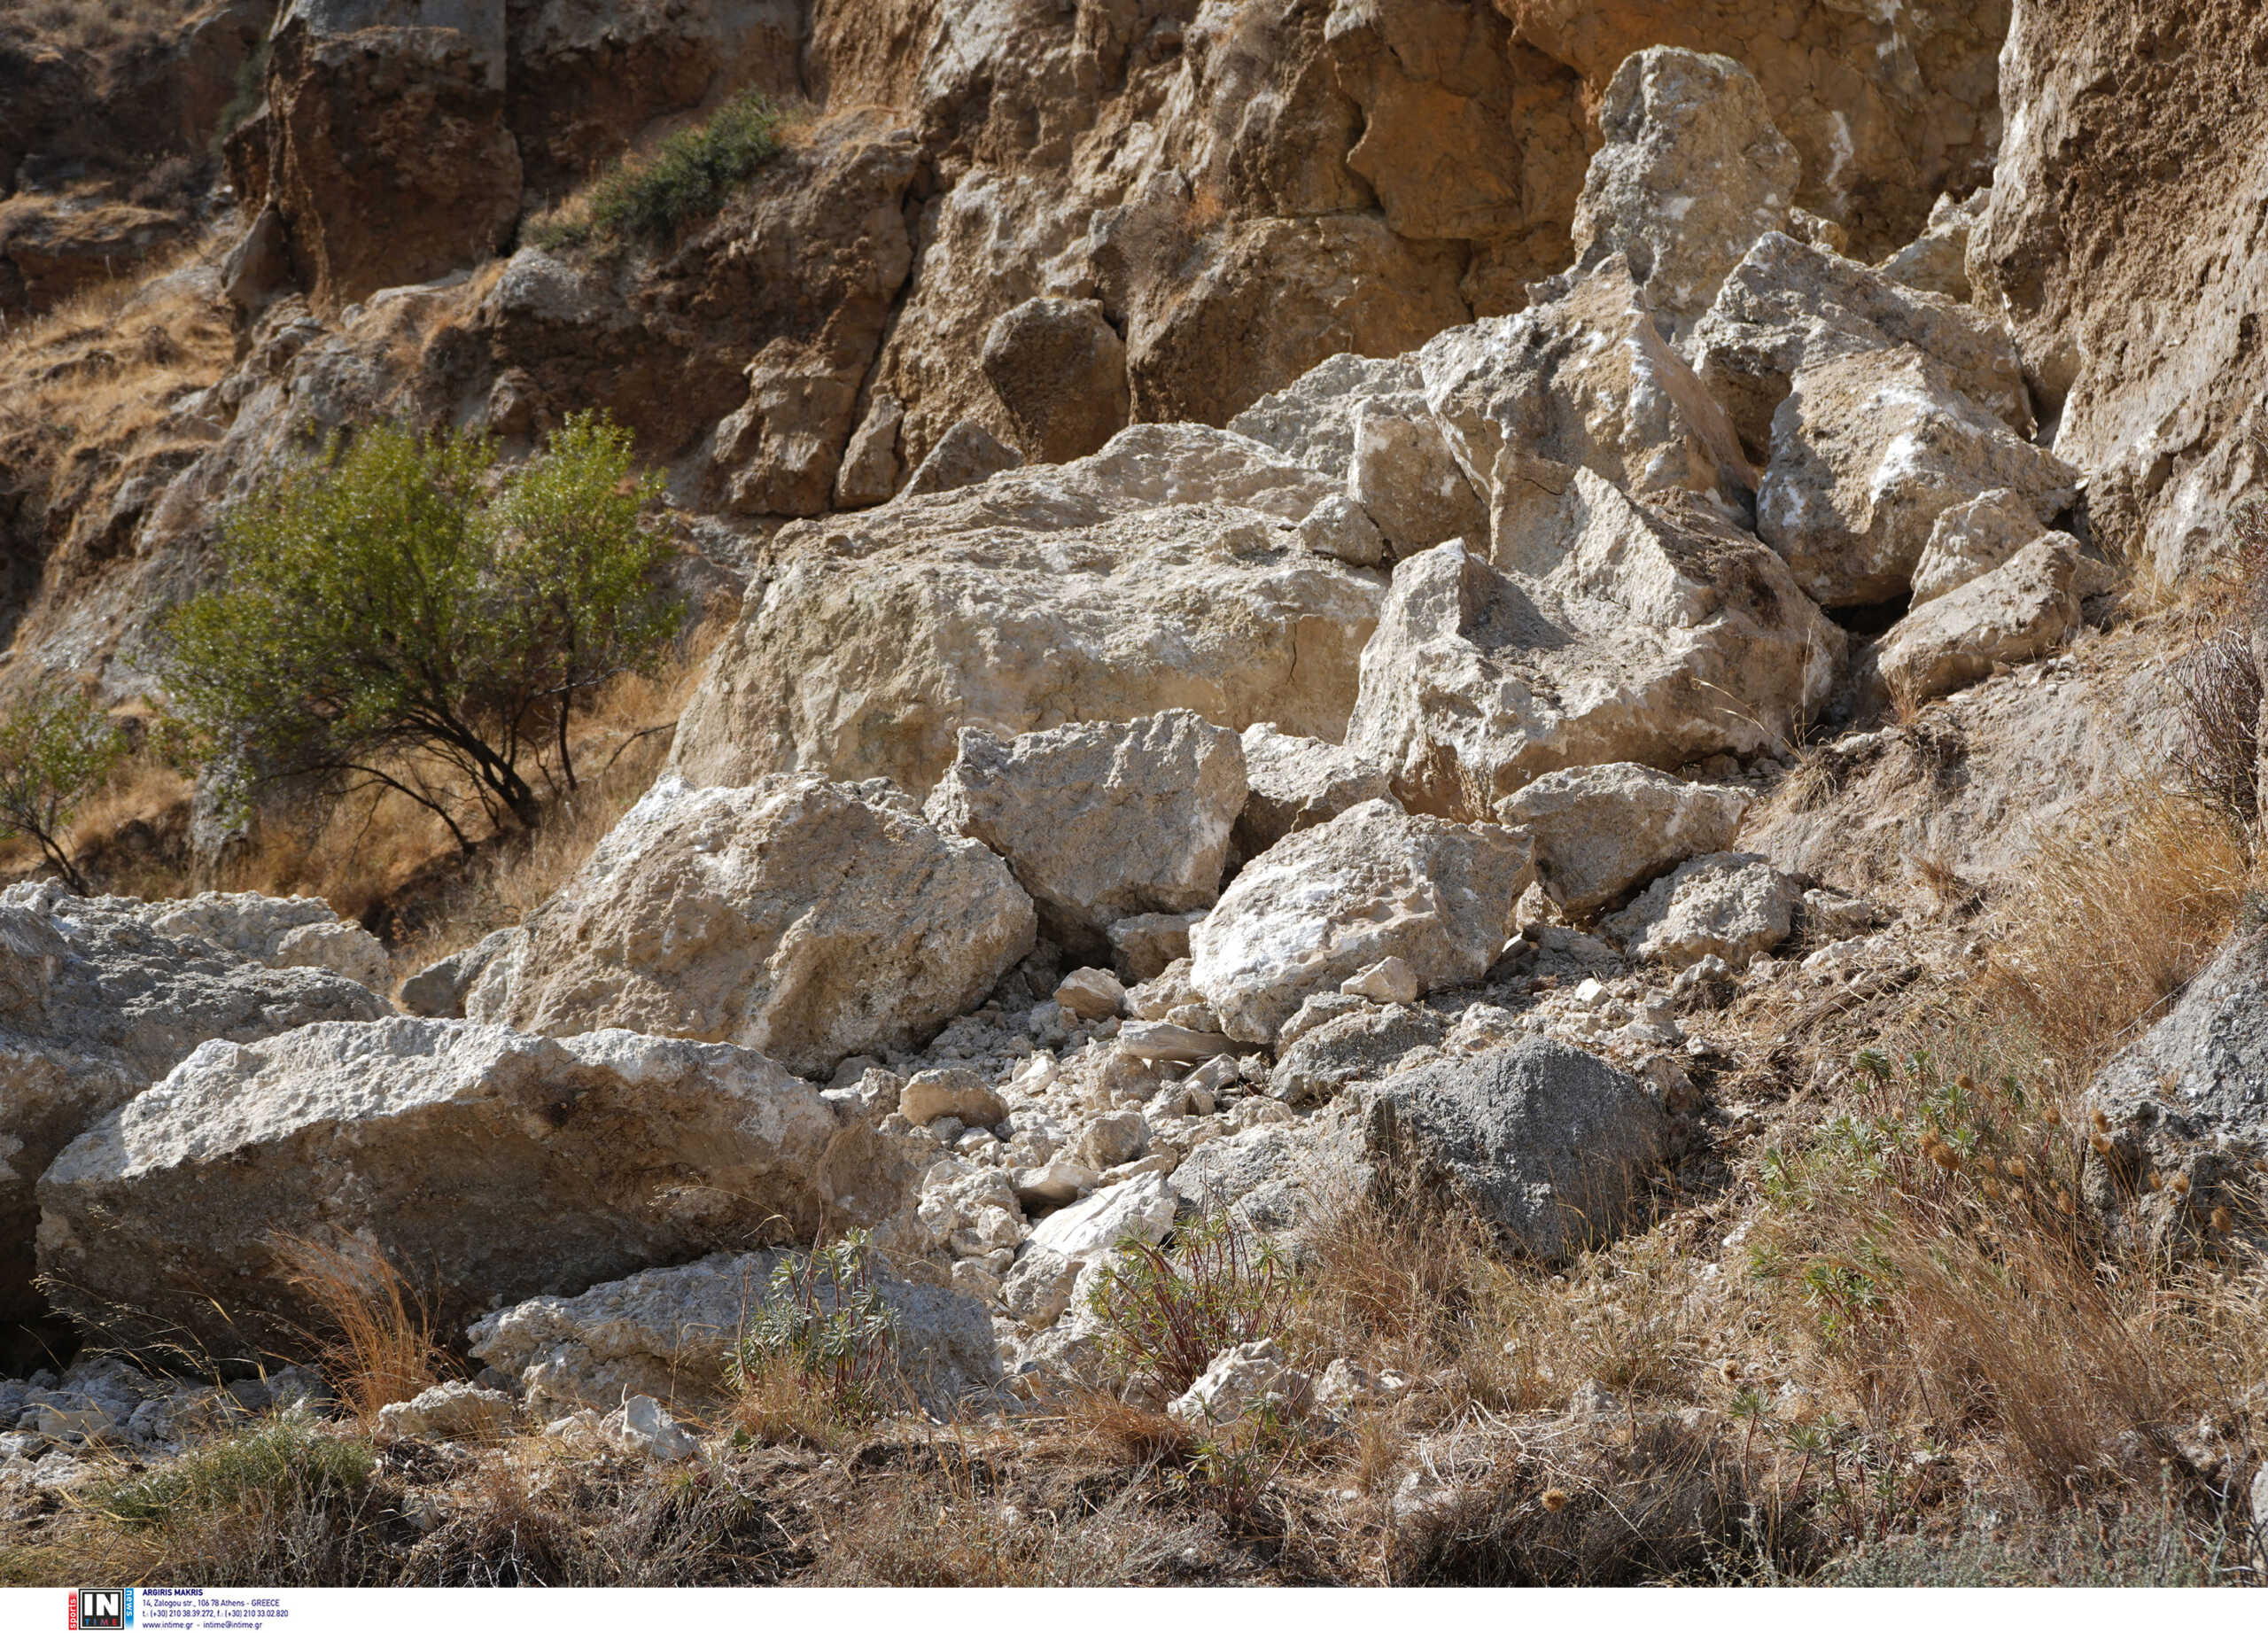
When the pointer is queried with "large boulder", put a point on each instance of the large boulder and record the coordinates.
(1868, 452)
(1545, 1144)
(806, 919)
(1313, 420)
(667, 1332)
(387, 148)
(96, 1005)
(2022, 610)
(2187, 1102)
(1654, 634)
(1789, 304)
(1601, 829)
(483, 1164)
(1691, 173)
(1101, 822)
(1328, 902)
(1163, 573)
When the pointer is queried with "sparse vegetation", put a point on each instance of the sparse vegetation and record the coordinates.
(57, 748)
(284, 1461)
(401, 616)
(1167, 1311)
(690, 175)
(381, 1346)
(818, 1348)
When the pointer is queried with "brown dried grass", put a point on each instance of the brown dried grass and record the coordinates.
(381, 1347)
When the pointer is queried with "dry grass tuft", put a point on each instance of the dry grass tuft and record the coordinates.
(381, 1347)
(99, 25)
(2111, 923)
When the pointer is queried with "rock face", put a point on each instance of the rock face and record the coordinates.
(1658, 636)
(1298, 782)
(2022, 610)
(1868, 452)
(1101, 822)
(1692, 173)
(2121, 246)
(1328, 902)
(1970, 540)
(486, 1163)
(666, 1333)
(964, 457)
(2189, 1100)
(1060, 371)
(389, 153)
(1730, 905)
(805, 919)
(1547, 1144)
(1162, 572)
(439, 989)
(95, 1005)
(1600, 829)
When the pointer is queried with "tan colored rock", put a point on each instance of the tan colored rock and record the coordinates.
(1328, 902)
(1789, 304)
(501, 1165)
(1692, 173)
(1311, 421)
(1600, 829)
(1868, 452)
(1060, 371)
(277, 931)
(1102, 821)
(1299, 783)
(1160, 573)
(1144, 945)
(1660, 635)
(1389, 981)
(1091, 993)
(951, 1091)
(870, 466)
(1729, 906)
(808, 919)
(1341, 529)
(2020, 610)
(1968, 539)
(1937, 261)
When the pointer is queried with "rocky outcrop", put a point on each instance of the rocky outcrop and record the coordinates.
(297, 932)
(1160, 573)
(1101, 822)
(1060, 371)
(2121, 247)
(1547, 1145)
(806, 919)
(486, 1164)
(1600, 829)
(95, 1005)
(1626, 632)
(1298, 782)
(1328, 902)
(667, 1332)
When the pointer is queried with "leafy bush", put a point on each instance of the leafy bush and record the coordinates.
(823, 1323)
(284, 1461)
(1167, 1312)
(689, 176)
(56, 748)
(398, 615)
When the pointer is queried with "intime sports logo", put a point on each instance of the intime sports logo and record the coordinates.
(102, 1607)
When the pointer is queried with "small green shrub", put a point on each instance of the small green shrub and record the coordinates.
(823, 1322)
(56, 748)
(283, 1462)
(688, 176)
(1167, 1312)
